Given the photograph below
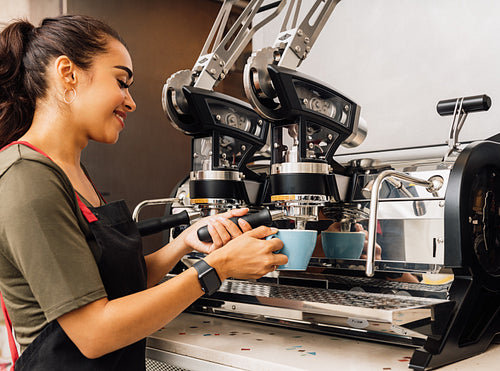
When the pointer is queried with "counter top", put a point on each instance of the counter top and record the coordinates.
(249, 346)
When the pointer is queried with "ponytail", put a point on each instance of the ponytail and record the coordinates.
(16, 107)
(25, 53)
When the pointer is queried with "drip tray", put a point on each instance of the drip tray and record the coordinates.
(306, 304)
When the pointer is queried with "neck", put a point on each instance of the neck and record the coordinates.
(53, 133)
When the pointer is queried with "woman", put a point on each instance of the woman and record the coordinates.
(80, 294)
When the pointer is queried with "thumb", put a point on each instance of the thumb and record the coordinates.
(262, 232)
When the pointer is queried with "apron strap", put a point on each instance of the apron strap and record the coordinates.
(85, 210)
(27, 144)
(12, 343)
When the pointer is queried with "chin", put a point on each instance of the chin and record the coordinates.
(108, 139)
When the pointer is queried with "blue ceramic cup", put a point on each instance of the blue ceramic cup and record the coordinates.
(298, 245)
(343, 245)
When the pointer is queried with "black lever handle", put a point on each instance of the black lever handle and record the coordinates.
(470, 104)
(262, 217)
(155, 225)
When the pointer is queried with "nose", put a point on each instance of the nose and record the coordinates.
(129, 102)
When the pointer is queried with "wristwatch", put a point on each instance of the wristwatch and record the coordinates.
(208, 277)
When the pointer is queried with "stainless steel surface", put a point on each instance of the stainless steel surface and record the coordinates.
(158, 359)
(346, 214)
(300, 303)
(158, 201)
(174, 86)
(300, 208)
(216, 175)
(358, 136)
(430, 186)
(297, 40)
(257, 83)
(213, 65)
(300, 168)
(212, 206)
(459, 116)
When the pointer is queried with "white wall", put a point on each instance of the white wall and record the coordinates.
(33, 10)
(398, 58)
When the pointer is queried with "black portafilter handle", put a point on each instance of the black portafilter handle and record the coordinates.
(473, 103)
(262, 217)
(155, 225)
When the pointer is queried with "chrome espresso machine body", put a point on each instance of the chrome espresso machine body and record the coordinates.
(436, 285)
(433, 211)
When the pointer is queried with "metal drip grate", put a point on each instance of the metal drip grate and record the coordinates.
(324, 296)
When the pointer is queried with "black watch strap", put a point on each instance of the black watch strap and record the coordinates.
(208, 277)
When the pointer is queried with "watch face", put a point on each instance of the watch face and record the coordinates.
(210, 280)
(208, 277)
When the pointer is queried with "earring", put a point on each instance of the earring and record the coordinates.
(69, 101)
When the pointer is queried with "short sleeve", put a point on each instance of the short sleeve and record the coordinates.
(43, 238)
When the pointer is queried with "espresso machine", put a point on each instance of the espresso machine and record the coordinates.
(435, 286)
(226, 132)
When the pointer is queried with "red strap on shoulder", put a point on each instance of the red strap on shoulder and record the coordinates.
(85, 210)
(12, 343)
(27, 144)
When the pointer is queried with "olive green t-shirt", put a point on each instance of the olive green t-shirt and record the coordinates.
(47, 267)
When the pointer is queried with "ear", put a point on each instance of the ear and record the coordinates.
(65, 70)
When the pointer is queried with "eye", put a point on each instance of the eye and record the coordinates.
(122, 84)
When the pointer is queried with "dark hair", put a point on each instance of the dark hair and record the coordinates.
(25, 52)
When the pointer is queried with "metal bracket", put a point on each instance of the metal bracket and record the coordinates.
(213, 66)
(459, 116)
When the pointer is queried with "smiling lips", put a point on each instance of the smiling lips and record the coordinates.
(121, 116)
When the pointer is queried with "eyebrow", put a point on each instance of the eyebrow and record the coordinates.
(126, 69)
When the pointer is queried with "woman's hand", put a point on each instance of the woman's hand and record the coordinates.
(248, 256)
(220, 228)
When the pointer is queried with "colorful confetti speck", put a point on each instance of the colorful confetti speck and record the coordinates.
(207, 334)
(312, 353)
(245, 348)
(182, 333)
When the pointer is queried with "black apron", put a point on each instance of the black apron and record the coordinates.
(123, 272)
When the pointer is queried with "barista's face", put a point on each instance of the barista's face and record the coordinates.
(103, 99)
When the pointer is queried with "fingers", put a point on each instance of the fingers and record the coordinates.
(262, 232)
(235, 212)
(359, 228)
(231, 228)
(216, 239)
(244, 225)
(222, 230)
